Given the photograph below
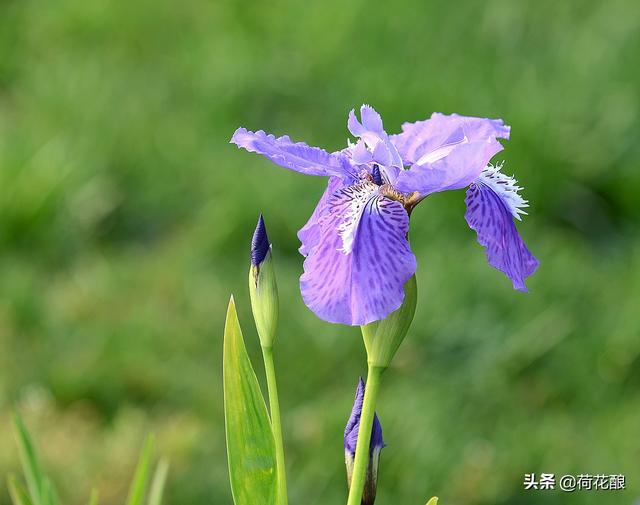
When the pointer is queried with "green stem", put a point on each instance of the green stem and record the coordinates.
(274, 408)
(361, 462)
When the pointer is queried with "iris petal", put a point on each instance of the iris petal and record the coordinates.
(456, 170)
(357, 271)
(296, 156)
(309, 234)
(491, 218)
(421, 138)
(371, 131)
(446, 152)
(371, 120)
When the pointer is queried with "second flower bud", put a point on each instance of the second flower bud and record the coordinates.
(263, 289)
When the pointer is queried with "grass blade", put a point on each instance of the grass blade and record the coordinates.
(158, 482)
(18, 494)
(250, 444)
(49, 495)
(140, 481)
(30, 464)
(93, 500)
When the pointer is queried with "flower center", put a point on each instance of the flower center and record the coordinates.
(387, 190)
(408, 201)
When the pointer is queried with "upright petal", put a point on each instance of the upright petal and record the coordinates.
(492, 203)
(371, 120)
(371, 131)
(296, 156)
(457, 169)
(446, 152)
(359, 153)
(357, 271)
(428, 140)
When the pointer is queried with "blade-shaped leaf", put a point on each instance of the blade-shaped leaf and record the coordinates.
(433, 501)
(157, 484)
(18, 494)
(93, 500)
(30, 464)
(140, 481)
(49, 495)
(250, 445)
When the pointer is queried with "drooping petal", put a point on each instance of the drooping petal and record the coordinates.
(506, 187)
(491, 207)
(429, 140)
(357, 271)
(309, 234)
(296, 156)
(456, 170)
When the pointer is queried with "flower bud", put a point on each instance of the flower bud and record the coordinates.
(382, 338)
(263, 290)
(376, 445)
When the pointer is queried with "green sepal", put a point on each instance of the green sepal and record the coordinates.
(250, 443)
(382, 338)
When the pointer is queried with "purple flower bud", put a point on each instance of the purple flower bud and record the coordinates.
(259, 243)
(376, 175)
(376, 445)
(263, 289)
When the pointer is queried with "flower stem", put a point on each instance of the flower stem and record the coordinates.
(361, 463)
(274, 408)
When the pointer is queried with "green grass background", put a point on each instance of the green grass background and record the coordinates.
(126, 217)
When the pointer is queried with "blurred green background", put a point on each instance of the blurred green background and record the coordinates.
(126, 217)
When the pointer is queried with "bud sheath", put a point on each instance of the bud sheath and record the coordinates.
(382, 338)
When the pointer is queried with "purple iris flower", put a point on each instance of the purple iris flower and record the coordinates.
(357, 252)
(375, 446)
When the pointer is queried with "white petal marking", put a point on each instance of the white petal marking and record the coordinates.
(505, 187)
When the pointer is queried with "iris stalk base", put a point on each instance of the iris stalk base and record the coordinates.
(276, 428)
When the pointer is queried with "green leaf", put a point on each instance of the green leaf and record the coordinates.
(18, 494)
(250, 445)
(157, 484)
(140, 481)
(30, 464)
(49, 496)
(93, 500)
(433, 501)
